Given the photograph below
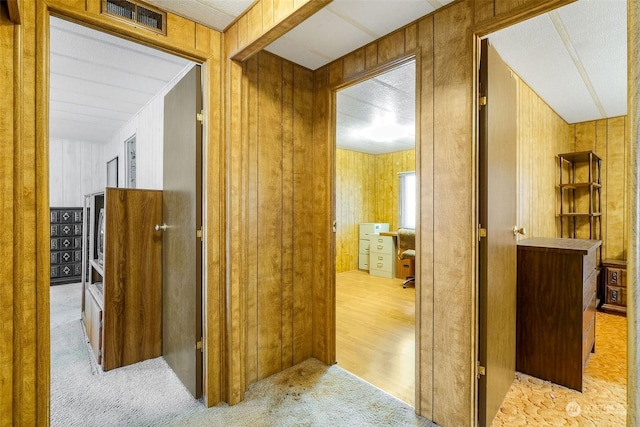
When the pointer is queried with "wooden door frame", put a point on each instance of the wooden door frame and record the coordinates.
(631, 134)
(213, 331)
(358, 78)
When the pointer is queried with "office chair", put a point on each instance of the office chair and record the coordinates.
(407, 250)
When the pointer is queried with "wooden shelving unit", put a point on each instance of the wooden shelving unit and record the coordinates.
(580, 200)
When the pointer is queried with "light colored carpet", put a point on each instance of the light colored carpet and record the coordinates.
(532, 401)
(149, 394)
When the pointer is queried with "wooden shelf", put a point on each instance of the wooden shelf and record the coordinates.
(579, 185)
(580, 214)
(97, 267)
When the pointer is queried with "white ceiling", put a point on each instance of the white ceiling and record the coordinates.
(98, 81)
(570, 57)
(378, 115)
(575, 58)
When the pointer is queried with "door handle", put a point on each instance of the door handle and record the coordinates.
(162, 227)
(519, 230)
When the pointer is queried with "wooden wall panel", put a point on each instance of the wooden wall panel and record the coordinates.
(355, 203)
(542, 135)
(424, 267)
(324, 347)
(276, 237)
(633, 300)
(607, 138)
(454, 167)
(8, 84)
(302, 213)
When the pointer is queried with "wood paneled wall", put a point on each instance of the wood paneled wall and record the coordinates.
(367, 190)
(9, 83)
(607, 138)
(355, 203)
(75, 169)
(271, 261)
(542, 135)
(24, 205)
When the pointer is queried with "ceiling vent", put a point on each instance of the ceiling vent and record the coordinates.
(137, 14)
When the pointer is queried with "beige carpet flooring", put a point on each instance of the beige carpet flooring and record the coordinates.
(534, 402)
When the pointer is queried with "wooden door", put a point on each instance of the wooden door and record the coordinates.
(181, 243)
(497, 204)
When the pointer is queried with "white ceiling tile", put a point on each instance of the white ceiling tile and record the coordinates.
(101, 80)
(325, 34)
(536, 52)
(598, 32)
(215, 14)
(380, 17)
(389, 97)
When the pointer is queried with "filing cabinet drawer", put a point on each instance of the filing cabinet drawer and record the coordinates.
(364, 246)
(363, 262)
(382, 245)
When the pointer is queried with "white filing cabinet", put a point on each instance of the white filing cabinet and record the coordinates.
(382, 256)
(367, 230)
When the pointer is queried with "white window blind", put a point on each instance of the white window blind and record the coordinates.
(407, 200)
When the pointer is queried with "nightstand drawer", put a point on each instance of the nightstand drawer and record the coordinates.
(616, 295)
(616, 277)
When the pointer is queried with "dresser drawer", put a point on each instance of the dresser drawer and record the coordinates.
(382, 245)
(589, 263)
(588, 341)
(589, 315)
(589, 289)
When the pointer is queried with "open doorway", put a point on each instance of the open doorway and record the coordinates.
(105, 93)
(569, 99)
(375, 182)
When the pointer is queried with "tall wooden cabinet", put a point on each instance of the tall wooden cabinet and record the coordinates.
(580, 201)
(122, 289)
(556, 308)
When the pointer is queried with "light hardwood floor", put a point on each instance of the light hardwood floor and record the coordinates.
(375, 331)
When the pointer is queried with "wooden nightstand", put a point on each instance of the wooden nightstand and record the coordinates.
(614, 286)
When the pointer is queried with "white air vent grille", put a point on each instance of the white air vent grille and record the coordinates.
(136, 14)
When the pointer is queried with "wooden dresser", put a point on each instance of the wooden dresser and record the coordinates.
(556, 306)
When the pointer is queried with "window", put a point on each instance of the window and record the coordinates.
(407, 200)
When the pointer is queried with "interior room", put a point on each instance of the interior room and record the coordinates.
(519, 148)
(375, 197)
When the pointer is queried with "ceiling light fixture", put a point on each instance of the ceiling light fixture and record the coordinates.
(385, 130)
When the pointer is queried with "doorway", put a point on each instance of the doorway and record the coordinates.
(100, 102)
(550, 121)
(374, 164)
